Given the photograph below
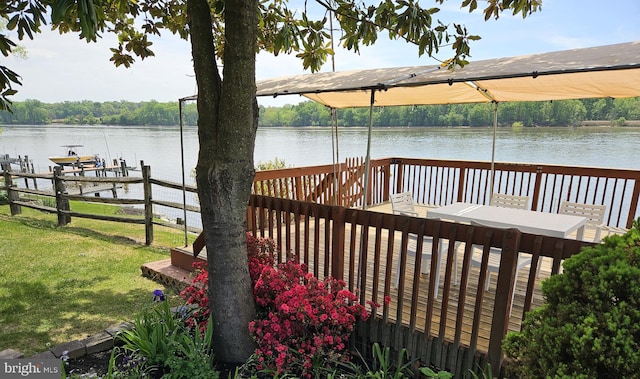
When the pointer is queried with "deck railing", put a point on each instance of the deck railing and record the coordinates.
(463, 327)
(442, 182)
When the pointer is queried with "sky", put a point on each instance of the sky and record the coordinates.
(63, 68)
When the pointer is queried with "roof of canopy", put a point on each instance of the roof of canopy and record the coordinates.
(604, 71)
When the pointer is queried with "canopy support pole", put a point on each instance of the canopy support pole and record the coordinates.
(184, 187)
(493, 148)
(367, 165)
(490, 96)
(367, 162)
(335, 156)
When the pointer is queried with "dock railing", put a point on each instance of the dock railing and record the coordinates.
(442, 182)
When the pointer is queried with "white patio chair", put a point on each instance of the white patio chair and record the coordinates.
(493, 265)
(593, 213)
(509, 201)
(402, 204)
(412, 246)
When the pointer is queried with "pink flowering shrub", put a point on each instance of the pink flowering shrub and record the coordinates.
(304, 321)
(260, 252)
(196, 294)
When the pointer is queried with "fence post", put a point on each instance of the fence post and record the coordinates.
(634, 204)
(25, 169)
(62, 203)
(148, 206)
(504, 290)
(399, 172)
(12, 195)
(536, 189)
(337, 243)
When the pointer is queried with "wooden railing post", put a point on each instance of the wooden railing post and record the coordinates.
(251, 216)
(536, 189)
(504, 290)
(337, 242)
(634, 204)
(12, 195)
(387, 181)
(148, 206)
(461, 184)
(399, 174)
(62, 203)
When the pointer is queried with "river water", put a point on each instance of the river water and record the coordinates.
(160, 147)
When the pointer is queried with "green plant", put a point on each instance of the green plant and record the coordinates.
(161, 343)
(429, 373)
(383, 367)
(590, 324)
(280, 188)
(48, 201)
(486, 373)
(274, 164)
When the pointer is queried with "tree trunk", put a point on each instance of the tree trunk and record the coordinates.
(227, 122)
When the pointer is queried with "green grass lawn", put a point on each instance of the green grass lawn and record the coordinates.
(59, 284)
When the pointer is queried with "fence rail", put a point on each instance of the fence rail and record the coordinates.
(60, 197)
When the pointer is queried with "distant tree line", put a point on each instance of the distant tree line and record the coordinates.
(549, 113)
(35, 112)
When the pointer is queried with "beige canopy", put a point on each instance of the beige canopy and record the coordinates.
(604, 71)
(596, 72)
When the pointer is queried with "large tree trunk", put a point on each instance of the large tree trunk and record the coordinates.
(227, 121)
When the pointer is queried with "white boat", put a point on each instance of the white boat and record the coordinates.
(73, 158)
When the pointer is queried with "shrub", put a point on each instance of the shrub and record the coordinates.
(589, 326)
(160, 344)
(304, 323)
(260, 252)
(196, 296)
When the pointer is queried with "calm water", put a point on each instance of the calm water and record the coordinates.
(159, 147)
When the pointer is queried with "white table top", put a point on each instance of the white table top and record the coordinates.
(548, 224)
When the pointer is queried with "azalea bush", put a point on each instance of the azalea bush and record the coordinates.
(303, 323)
(196, 296)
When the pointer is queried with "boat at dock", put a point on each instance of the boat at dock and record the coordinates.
(72, 157)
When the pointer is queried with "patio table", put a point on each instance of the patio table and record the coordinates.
(533, 222)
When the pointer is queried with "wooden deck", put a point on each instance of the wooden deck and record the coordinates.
(453, 296)
(452, 319)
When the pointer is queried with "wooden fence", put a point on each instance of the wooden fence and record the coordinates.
(83, 186)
